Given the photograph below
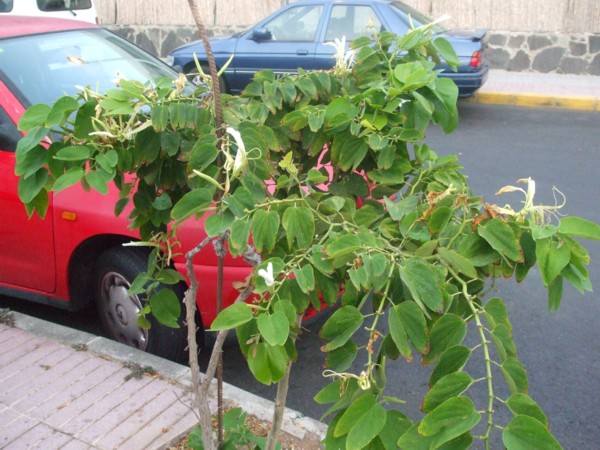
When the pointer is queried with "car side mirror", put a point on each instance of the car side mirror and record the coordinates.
(262, 34)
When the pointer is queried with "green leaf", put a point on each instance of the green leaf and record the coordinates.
(31, 139)
(515, 375)
(166, 307)
(502, 239)
(522, 404)
(98, 180)
(422, 281)
(503, 341)
(30, 187)
(61, 110)
(299, 224)
(73, 153)
(216, 224)
(457, 262)
(446, 51)
(340, 327)
(232, 317)
(364, 431)
(552, 258)
(169, 276)
(452, 360)
(274, 328)
(398, 334)
(576, 226)
(194, 202)
(267, 363)
(439, 219)
(449, 386)
(35, 116)
(555, 292)
(355, 412)
(527, 433)
(449, 420)
(68, 179)
(162, 202)
(265, 228)
(447, 331)
(305, 276)
(239, 236)
(395, 426)
(342, 357)
(496, 313)
(414, 323)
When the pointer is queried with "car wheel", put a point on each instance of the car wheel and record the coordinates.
(115, 271)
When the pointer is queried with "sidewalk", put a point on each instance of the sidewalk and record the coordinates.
(580, 92)
(65, 389)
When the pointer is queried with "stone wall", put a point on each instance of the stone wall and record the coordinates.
(545, 52)
(513, 51)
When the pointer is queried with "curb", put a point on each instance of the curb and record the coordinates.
(580, 103)
(294, 422)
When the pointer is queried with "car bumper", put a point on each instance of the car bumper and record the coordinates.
(468, 82)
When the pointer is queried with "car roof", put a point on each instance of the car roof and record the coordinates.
(12, 26)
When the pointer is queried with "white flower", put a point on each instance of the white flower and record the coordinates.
(267, 275)
(344, 60)
(241, 157)
(536, 213)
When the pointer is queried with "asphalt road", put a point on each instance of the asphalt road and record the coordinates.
(560, 350)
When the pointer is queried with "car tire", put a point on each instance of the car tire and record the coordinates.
(115, 270)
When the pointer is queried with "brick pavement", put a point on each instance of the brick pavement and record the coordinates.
(55, 397)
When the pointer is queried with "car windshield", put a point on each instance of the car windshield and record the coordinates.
(402, 10)
(45, 67)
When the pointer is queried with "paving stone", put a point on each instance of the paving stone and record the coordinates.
(32, 437)
(166, 426)
(139, 418)
(121, 404)
(16, 346)
(87, 400)
(54, 441)
(12, 430)
(25, 395)
(90, 374)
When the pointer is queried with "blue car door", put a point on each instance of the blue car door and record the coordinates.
(282, 43)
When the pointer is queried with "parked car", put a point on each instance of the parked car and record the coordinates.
(76, 254)
(64, 9)
(297, 36)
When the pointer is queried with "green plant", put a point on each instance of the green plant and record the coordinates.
(328, 172)
(236, 433)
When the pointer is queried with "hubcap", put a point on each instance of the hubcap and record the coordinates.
(121, 311)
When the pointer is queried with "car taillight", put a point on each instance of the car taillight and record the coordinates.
(476, 59)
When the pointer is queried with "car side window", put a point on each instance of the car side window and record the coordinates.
(9, 135)
(63, 5)
(352, 21)
(6, 6)
(297, 24)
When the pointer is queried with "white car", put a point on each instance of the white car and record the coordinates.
(83, 10)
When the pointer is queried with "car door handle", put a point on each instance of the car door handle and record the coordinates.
(302, 52)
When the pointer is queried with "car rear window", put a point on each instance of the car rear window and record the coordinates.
(63, 5)
(6, 5)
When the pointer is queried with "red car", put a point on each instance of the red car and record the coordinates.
(76, 254)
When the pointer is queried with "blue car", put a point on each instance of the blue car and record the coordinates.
(298, 34)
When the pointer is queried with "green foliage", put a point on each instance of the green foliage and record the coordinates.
(327, 174)
(236, 434)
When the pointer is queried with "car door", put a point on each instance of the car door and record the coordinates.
(26, 244)
(283, 43)
(345, 20)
